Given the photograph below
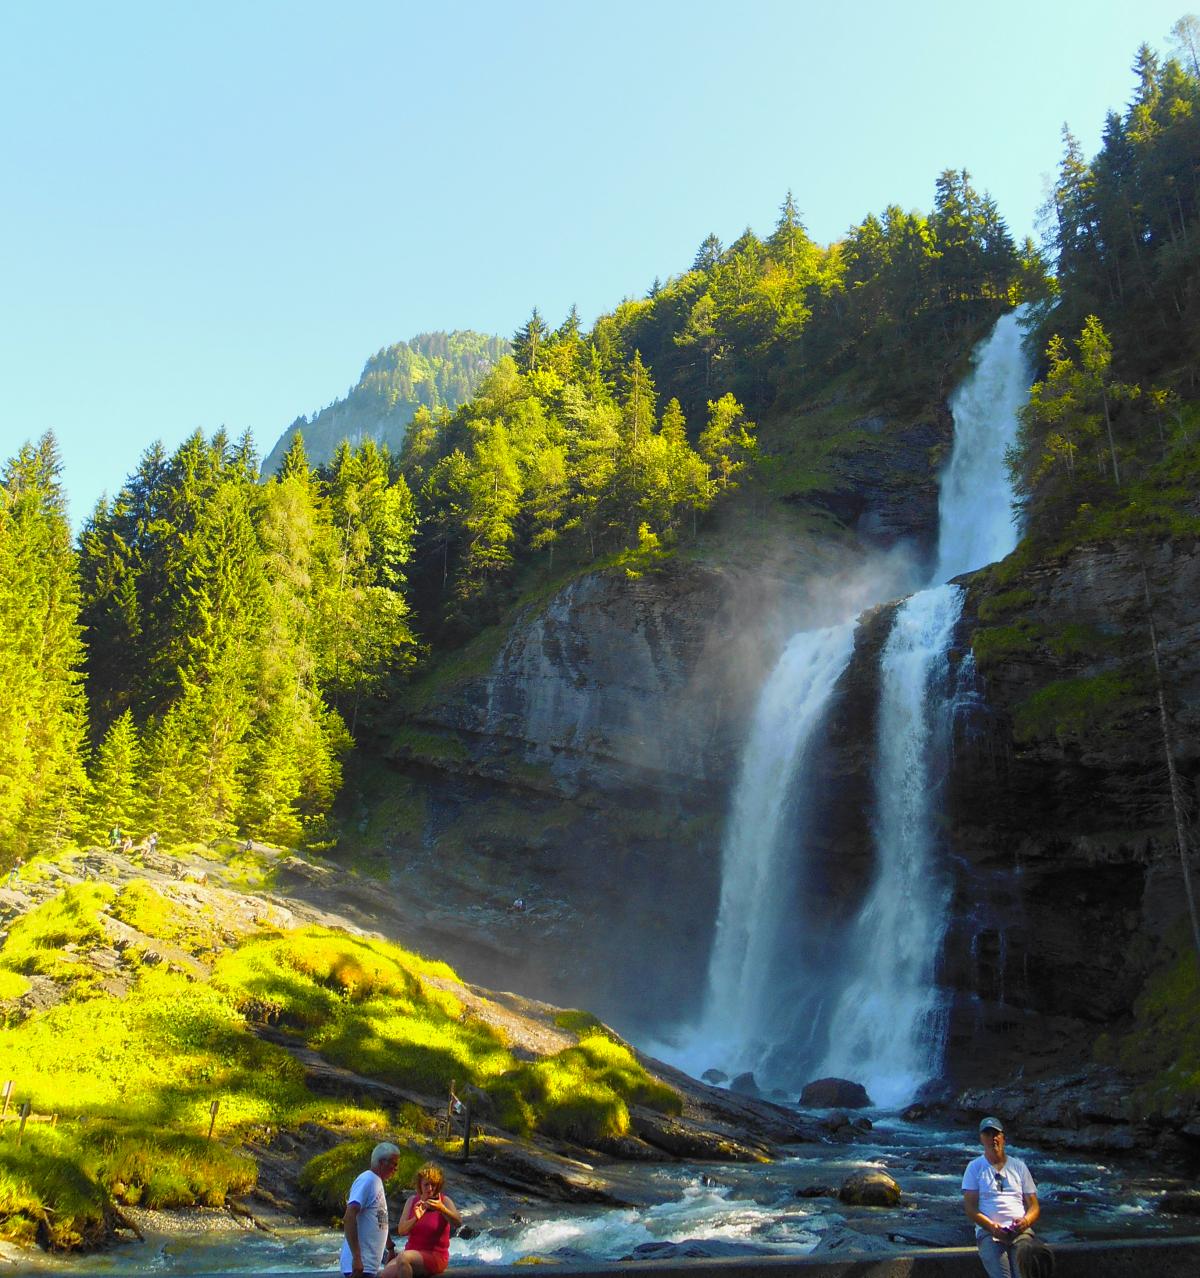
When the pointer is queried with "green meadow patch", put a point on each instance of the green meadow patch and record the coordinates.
(131, 1080)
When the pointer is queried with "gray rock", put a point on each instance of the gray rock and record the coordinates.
(1180, 1202)
(870, 1189)
(842, 1240)
(826, 1093)
(745, 1084)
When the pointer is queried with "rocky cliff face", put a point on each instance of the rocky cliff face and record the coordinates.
(585, 773)
(585, 768)
(1068, 874)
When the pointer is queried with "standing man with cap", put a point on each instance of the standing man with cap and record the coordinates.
(1000, 1200)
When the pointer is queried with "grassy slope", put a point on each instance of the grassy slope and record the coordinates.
(131, 1077)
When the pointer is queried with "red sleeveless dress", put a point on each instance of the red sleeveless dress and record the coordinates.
(431, 1237)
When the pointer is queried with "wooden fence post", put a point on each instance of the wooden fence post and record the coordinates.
(212, 1122)
(7, 1097)
(25, 1108)
(466, 1154)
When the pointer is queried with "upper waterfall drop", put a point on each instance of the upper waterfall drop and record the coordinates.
(975, 517)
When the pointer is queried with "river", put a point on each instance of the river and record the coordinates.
(736, 1207)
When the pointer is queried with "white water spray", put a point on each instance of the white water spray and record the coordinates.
(756, 855)
(888, 1031)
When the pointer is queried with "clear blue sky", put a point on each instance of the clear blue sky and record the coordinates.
(214, 212)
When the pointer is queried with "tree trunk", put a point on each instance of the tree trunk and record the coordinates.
(1172, 774)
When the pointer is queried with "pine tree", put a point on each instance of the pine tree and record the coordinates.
(42, 711)
(727, 443)
(116, 797)
(529, 343)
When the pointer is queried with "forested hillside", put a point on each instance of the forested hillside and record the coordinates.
(434, 370)
(200, 661)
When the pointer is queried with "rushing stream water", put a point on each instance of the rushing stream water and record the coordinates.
(735, 1206)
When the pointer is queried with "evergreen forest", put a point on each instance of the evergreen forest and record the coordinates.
(200, 660)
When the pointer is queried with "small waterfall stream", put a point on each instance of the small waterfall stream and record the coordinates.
(887, 1031)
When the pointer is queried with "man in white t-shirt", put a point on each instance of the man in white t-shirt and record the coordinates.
(365, 1224)
(1000, 1200)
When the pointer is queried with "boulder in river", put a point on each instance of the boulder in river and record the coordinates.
(870, 1189)
(745, 1084)
(828, 1093)
(1181, 1202)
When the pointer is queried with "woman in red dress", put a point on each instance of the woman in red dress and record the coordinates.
(426, 1220)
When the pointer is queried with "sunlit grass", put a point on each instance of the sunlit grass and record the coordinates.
(132, 1080)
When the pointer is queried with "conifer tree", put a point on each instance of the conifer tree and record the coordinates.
(42, 711)
(529, 343)
(727, 443)
(116, 796)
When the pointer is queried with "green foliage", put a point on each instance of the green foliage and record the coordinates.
(1163, 1045)
(42, 711)
(326, 1179)
(46, 1193)
(141, 907)
(164, 1169)
(993, 645)
(37, 941)
(436, 747)
(582, 1093)
(132, 1078)
(233, 631)
(117, 798)
(579, 1022)
(1077, 641)
(992, 607)
(1107, 449)
(1076, 710)
(12, 984)
(400, 386)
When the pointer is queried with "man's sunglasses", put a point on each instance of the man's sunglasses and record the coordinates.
(1001, 1183)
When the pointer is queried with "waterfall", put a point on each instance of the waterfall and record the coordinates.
(756, 854)
(888, 1027)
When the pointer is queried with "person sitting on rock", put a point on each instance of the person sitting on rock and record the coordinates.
(1001, 1201)
(427, 1218)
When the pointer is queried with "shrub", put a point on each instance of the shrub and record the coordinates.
(995, 644)
(326, 1179)
(582, 1093)
(1071, 710)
